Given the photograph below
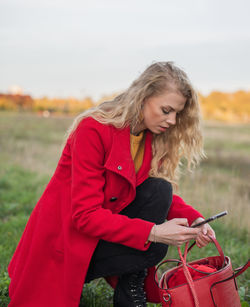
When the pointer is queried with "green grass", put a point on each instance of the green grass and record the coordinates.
(31, 146)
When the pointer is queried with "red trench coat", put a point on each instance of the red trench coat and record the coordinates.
(50, 263)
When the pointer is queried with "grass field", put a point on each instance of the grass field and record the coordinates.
(30, 147)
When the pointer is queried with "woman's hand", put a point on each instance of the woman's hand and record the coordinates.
(173, 232)
(205, 231)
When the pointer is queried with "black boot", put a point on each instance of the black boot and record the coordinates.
(129, 291)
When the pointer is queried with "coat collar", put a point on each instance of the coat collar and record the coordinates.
(120, 160)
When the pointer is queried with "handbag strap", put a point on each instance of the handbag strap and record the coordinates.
(217, 245)
(186, 271)
(187, 249)
(188, 275)
(179, 262)
(242, 268)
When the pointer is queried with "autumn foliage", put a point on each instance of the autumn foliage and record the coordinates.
(54, 105)
(230, 107)
(15, 102)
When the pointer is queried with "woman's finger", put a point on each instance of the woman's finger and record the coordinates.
(202, 241)
(206, 238)
(200, 244)
(208, 230)
(211, 232)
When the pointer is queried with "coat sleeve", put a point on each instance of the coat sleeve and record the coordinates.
(88, 181)
(179, 209)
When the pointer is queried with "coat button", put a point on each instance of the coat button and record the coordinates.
(113, 198)
(119, 167)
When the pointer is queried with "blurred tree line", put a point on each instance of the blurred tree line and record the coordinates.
(231, 107)
(19, 102)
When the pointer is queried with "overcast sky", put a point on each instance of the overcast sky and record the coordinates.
(97, 47)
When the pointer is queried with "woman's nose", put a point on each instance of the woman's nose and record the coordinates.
(171, 119)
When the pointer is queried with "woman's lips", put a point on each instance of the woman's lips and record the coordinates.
(163, 128)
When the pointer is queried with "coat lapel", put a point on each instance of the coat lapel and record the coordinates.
(120, 160)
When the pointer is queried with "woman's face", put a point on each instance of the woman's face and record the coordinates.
(159, 112)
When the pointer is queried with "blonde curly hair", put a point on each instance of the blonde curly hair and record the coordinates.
(183, 140)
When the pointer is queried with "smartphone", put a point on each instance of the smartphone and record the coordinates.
(210, 219)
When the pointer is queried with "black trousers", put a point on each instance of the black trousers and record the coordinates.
(152, 202)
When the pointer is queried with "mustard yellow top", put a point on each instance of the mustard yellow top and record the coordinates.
(137, 143)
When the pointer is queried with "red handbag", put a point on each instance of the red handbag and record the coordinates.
(214, 287)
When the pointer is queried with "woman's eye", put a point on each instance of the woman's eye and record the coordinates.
(165, 111)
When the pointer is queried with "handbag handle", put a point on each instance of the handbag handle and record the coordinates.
(178, 263)
(217, 245)
(187, 249)
(242, 269)
(188, 276)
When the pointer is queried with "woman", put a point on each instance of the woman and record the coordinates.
(103, 213)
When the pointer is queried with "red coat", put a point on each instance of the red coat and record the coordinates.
(50, 263)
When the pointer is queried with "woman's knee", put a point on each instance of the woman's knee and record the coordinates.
(154, 185)
(153, 200)
(157, 252)
(164, 188)
(157, 190)
(161, 189)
